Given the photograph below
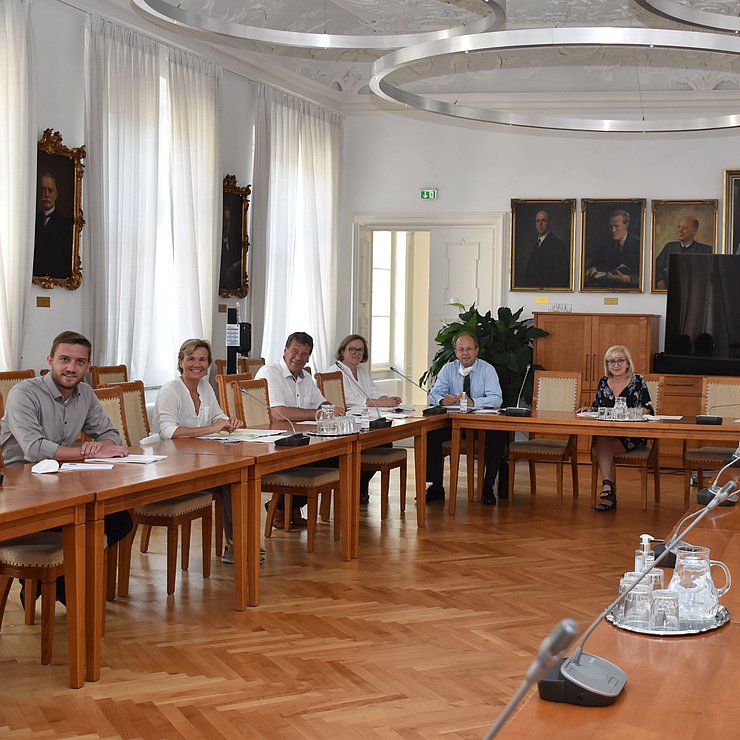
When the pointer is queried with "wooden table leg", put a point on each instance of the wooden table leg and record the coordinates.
(254, 519)
(74, 581)
(420, 468)
(95, 587)
(455, 464)
(349, 484)
(242, 554)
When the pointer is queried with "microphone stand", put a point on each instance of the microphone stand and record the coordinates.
(550, 652)
(590, 680)
(292, 440)
(429, 410)
(378, 423)
(519, 410)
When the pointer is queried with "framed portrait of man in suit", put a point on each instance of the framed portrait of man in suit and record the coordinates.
(679, 227)
(234, 244)
(542, 244)
(732, 212)
(58, 218)
(612, 238)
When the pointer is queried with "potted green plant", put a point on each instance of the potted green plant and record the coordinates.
(505, 341)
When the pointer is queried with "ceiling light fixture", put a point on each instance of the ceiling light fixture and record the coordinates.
(554, 38)
(197, 21)
(694, 17)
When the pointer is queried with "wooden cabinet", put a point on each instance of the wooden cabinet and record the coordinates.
(577, 342)
(681, 397)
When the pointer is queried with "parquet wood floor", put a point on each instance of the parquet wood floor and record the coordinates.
(428, 634)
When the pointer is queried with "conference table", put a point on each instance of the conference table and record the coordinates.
(559, 422)
(29, 506)
(682, 687)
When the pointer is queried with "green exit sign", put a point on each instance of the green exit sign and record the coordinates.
(428, 194)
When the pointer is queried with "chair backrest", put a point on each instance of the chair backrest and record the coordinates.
(556, 391)
(331, 386)
(10, 378)
(250, 411)
(655, 388)
(111, 399)
(250, 364)
(718, 392)
(108, 375)
(228, 401)
(134, 405)
(220, 367)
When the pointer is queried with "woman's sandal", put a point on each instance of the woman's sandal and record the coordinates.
(607, 498)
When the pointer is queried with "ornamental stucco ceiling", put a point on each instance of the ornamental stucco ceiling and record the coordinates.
(558, 70)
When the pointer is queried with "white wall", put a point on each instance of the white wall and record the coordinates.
(389, 157)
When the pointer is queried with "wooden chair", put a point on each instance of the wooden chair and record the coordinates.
(171, 513)
(249, 364)
(717, 391)
(11, 378)
(107, 375)
(303, 481)
(220, 366)
(553, 391)
(134, 405)
(377, 459)
(227, 401)
(646, 458)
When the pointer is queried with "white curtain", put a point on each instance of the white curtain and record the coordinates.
(152, 198)
(121, 192)
(17, 176)
(298, 164)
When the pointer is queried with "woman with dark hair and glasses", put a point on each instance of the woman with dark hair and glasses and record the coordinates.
(359, 388)
(620, 380)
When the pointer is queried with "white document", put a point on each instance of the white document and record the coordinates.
(84, 466)
(138, 459)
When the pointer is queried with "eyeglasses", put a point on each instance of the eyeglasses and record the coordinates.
(617, 361)
(355, 350)
(298, 353)
(465, 349)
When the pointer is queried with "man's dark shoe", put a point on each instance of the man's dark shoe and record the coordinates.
(488, 497)
(435, 492)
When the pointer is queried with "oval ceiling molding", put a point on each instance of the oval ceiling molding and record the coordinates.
(693, 16)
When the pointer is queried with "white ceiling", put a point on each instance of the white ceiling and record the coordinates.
(581, 70)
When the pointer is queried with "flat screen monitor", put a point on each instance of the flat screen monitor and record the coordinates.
(703, 307)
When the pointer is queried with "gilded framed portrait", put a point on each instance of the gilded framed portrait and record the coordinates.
(232, 278)
(679, 227)
(613, 239)
(732, 212)
(58, 220)
(542, 244)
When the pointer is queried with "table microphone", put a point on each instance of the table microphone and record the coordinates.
(429, 410)
(550, 652)
(381, 422)
(519, 410)
(706, 495)
(292, 440)
(710, 418)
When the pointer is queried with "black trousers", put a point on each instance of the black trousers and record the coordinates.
(496, 443)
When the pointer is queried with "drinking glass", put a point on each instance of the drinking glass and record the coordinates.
(664, 614)
(637, 606)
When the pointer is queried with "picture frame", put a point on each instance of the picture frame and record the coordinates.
(542, 244)
(606, 266)
(59, 220)
(233, 279)
(692, 223)
(731, 240)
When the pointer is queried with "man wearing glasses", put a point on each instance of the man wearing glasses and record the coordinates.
(480, 382)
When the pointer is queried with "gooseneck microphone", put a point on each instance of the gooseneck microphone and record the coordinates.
(707, 495)
(551, 650)
(519, 410)
(380, 422)
(292, 440)
(429, 410)
(589, 680)
(710, 418)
